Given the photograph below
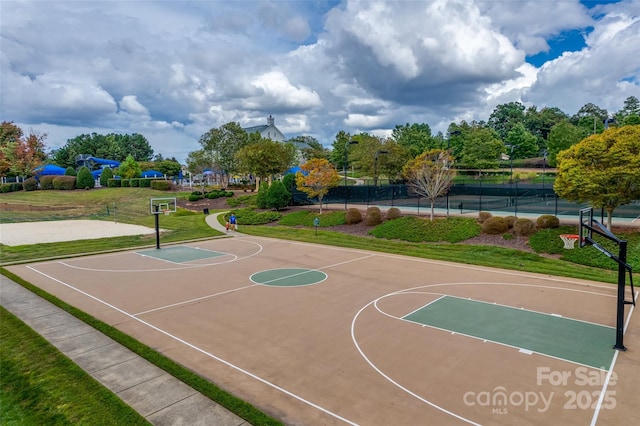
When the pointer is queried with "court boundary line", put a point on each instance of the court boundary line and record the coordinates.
(530, 310)
(416, 290)
(196, 348)
(603, 392)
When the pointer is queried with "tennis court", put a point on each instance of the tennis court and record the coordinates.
(314, 334)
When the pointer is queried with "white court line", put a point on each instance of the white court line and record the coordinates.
(196, 348)
(452, 264)
(190, 266)
(483, 339)
(320, 269)
(193, 300)
(603, 392)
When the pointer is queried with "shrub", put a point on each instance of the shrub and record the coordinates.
(6, 187)
(373, 217)
(125, 183)
(70, 171)
(145, 183)
(195, 197)
(85, 179)
(547, 221)
(134, 182)
(511, 220)
(393, 213)
(524, 227)
(106, 174)
(249, 216)
(261, 200)
(495, 225)
(353, 216)
(411, 228)
(46, 182)
(64, 182)
(483, 216)
(114, 183)
(214, 194)
(196, 193)
(30, 184)
(160, 185)
(277, 196)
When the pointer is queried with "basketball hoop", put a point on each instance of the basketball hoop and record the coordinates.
(569, 240)
(166, 212)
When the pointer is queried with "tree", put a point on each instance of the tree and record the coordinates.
(20, 155)
(266, 158)
(112, 147)
(481, 148)
(630, 112)
(168, 167)
(198, 161)
(337, 156)
(317, 176)
(70, 171)
(562, 136)
(277, 196)
(85, 179)
(590, 118)
(222, 144)
(430, 175)
(524, 143)
(129, 168)
(309, 147)
(603, 169)
(416, 138)
(504, 117)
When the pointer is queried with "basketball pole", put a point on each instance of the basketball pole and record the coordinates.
(156, 213)
(592, 226)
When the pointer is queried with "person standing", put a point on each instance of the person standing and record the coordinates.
(232, 222)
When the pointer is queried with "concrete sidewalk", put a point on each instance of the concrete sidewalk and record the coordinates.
(156, 395)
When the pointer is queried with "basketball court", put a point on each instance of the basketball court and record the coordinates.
(314, 334)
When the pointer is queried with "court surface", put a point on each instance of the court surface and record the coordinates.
(320, 335)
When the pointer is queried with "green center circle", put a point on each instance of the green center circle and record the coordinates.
(288, 277)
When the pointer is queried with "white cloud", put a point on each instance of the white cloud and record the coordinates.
(173, 70)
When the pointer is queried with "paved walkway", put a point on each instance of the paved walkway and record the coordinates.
(156, 395)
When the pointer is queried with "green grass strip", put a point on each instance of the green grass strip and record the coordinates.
(39, 385)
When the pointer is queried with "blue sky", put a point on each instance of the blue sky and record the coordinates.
(171, 70)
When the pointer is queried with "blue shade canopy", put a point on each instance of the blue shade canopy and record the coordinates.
(151, 173)
(49, 169)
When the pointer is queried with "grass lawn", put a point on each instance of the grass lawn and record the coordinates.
(40, 386)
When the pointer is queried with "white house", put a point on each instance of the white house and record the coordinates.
(268, 131)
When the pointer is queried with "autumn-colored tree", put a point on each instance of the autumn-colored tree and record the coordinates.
(20, 155)
(430, 175)
(316, 177)
(603, 169)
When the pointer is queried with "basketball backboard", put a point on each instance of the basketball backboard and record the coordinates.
(162, 205)
(585, 226)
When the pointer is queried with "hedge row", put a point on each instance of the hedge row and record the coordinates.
(67, 182)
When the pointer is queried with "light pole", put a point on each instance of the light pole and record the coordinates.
(454, 133)
(544, 166)
(512, 147)
(346, 159)
(375, 166)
